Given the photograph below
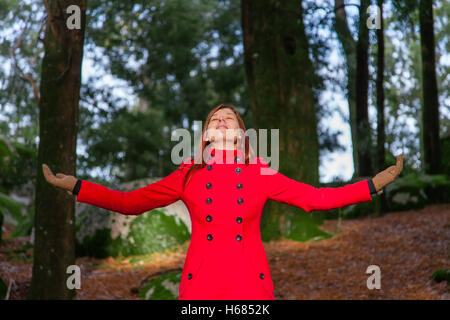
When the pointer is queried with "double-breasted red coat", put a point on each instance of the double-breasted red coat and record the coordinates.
(226, 257)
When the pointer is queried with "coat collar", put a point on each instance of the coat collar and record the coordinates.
(223, 156)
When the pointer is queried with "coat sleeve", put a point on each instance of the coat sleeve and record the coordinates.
(309, 198)
(157, 194)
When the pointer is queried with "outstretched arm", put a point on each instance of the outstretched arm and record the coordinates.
(309, 198)
(286, 190)
(158, 194)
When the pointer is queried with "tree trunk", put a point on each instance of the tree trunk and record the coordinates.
(363, 136)
(58, 127)
(280, 76)
(380, 157)
(349, 46)
(430, 114)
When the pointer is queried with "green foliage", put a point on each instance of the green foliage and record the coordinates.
(11, 207)
(164, 287)
(303, 226)
(18, 106)
(156, 231)
(134, 136)
(415, 191)
(17, 162)
(163, 50)
(6, 6)
(295, 224)
(25, 223)
(441, 275)
(150, 232)
(99, 245)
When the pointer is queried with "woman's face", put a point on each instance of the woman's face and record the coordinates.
(221, 121)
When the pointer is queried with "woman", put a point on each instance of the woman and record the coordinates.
(225, 193)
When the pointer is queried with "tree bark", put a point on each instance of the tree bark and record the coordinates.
(430, 114)
(380, 157)
(280, 77)
(364, 143)
(58, 126)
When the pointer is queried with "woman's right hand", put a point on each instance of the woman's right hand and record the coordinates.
(388, 175)
(61, 181)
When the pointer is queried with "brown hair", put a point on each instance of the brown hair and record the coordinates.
(240, 144)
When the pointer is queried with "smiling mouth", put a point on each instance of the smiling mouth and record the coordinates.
(222, 126)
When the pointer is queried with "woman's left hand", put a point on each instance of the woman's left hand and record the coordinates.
(387, 176)
(62, 181)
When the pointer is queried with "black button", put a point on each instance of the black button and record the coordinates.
(239, 219)
(208, 218)
(238, 170)
(237, 159)
(190, 276)
(209, 237)
(208, 185)
(238, 237)
(240, 200)
(209, 200)
(239, 186)
(261, 275)
(209, 167)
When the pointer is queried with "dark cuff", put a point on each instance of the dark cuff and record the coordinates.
(371, 186)
(77, 187)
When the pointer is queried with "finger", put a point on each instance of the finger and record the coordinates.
(47, 169)
(398, 166)
(399, 163)
(380, 191)
(60, 175)
(69, 192)
(48, 174)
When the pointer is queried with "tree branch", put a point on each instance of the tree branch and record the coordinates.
(51, 19)
(28, 77)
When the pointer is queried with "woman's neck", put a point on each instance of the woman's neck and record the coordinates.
(228, 145)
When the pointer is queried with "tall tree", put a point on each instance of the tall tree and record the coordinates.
(280, 77)
(356, 55)
(363, 135)
(380, 154)
(349, 48)
(58, 126)
(430, 113)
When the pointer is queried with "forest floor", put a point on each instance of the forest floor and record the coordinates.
(407, 246)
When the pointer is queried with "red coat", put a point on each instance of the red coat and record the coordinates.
(226, 257)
